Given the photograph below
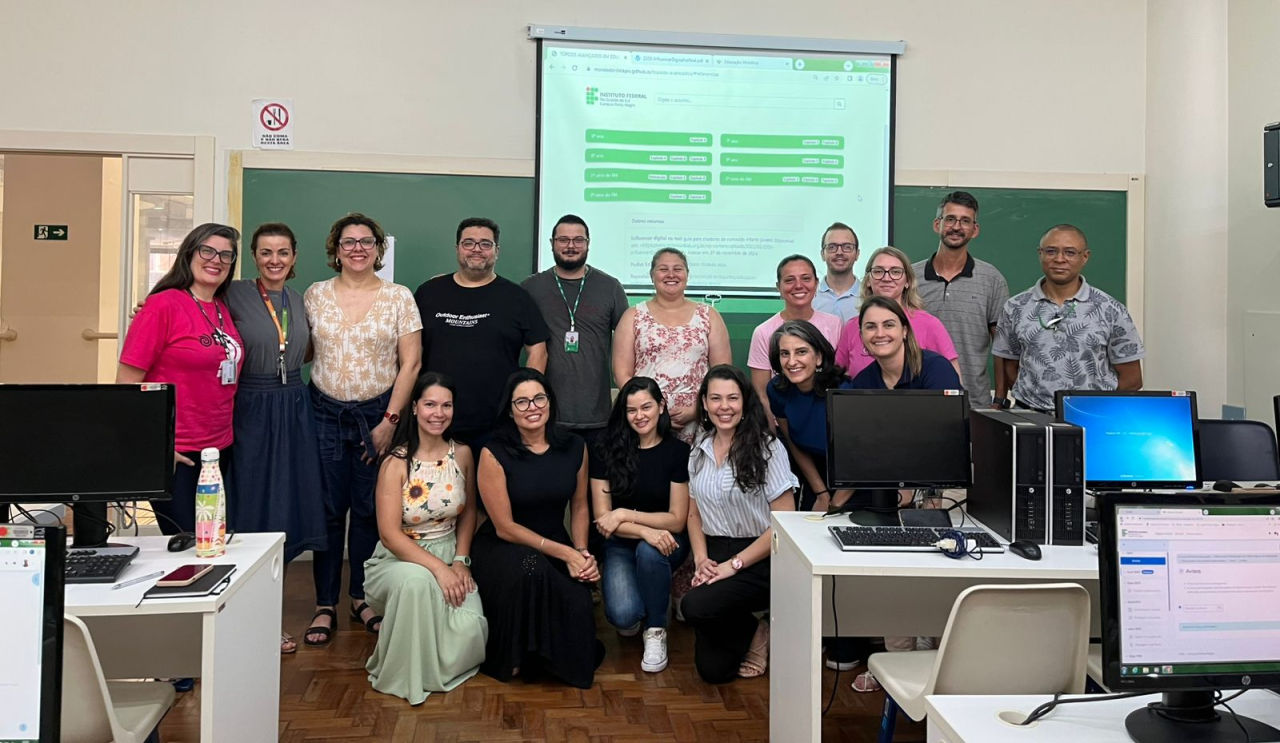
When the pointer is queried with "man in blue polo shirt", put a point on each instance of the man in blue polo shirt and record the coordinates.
(838, 290)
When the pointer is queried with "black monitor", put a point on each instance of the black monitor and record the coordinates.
(1133, 440)
(88, 444)
(898, 439)
(31, 565)
(1190, 589)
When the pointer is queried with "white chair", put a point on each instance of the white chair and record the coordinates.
(95, 710)
(1000, 639)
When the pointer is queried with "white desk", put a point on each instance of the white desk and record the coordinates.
(973, 719)
(231, 641)
(880, 593)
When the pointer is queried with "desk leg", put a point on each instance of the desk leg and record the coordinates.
(795, 647)
(240, 682)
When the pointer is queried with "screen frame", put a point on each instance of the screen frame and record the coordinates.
(54, 604)
(1059, 398)
(833, 447)
(1109, 595)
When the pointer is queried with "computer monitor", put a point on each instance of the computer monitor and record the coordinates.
(1135, 440)
(31, 565)
(898, 439)
(86, 444)
(1190, 605)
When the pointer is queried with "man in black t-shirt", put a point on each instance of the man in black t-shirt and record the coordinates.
(474, 325)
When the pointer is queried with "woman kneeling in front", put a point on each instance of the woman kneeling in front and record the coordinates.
(738, 473)
(419, 577)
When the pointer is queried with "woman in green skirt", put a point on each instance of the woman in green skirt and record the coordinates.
(419, 578)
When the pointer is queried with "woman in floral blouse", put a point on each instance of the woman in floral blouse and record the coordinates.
(433, 630)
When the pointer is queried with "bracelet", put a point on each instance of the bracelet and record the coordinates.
(581, 549)
(540, 544)
(822, 492)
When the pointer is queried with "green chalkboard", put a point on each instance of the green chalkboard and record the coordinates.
(423, 211)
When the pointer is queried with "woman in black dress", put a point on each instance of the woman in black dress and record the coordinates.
(532, 576)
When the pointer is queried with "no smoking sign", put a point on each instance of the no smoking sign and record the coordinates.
(273, 123)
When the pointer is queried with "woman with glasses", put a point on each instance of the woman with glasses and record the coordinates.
(738, 473)
(533, 574)
(889, 274)
(672, 340)
(184, 335)
(366, 334)
(640, 490)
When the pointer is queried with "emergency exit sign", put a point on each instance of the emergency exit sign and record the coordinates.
(51, 232)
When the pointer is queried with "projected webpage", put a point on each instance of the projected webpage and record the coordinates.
(21, 635)
(737, 158)
(1199, 589)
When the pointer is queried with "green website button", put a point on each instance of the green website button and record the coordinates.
(784, 141)
(650, 195)
(658, 139)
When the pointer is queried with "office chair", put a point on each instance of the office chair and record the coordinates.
(95, 710)
(1242, 451)
(1000, 639)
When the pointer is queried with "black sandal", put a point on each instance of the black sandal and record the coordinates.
(357, 610)
(326, 633)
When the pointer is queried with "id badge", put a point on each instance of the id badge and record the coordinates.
(571, 341)
(227, 371)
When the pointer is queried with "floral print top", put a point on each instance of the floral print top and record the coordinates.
(432, 496)
(356, 361)
(676, 357)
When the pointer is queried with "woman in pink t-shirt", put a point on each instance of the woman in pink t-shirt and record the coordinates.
(889, 274)
(184, 335)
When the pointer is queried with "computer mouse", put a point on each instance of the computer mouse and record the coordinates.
(181, 541)
(1224, 486)
(1025, 549)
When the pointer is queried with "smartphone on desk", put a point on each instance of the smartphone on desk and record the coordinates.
(184, 576)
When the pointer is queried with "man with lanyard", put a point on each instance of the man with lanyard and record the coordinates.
(581, 306)
(1063, 333)
(838, 291)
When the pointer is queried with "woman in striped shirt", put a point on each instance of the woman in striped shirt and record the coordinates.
(738, 473)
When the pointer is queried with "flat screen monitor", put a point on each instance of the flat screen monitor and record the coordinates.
(1190, 604)
(31, 565)
(898, 439)
(1143, 439)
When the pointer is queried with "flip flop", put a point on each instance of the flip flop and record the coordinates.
(376, 619)
(288, 645)
(326, 633)
(756, 660)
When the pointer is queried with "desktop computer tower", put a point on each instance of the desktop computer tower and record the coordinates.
(1066, 475)
(1010, 491)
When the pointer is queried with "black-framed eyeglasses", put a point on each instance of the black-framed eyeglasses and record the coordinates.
(349, 244)
(841, 247)
(1069, 253)
(952, 220)
(209, 253)
(577, 241)
(894, 273)
(470, 244)
(538, 401)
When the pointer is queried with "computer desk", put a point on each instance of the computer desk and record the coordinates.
(877, 594)
(230, 641)
(977, 719)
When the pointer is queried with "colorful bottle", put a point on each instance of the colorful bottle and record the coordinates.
(211, 507)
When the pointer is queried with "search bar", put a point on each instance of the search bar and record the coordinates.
(732, 101)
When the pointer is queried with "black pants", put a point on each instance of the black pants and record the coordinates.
(179, 513)
(722, 613)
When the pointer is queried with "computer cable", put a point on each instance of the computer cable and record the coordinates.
(835, 622)
(29, 511)
(956, 545)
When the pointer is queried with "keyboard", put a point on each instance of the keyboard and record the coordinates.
(903, 538)
(98, 564)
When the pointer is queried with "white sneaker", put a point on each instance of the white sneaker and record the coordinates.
(631, 631)
(655, 650)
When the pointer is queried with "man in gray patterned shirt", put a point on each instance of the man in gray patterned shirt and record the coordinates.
(1062, 333)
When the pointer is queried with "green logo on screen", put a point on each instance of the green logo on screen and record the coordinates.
(593, 94)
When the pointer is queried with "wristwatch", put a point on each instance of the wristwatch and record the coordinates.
(464, 559)
(393, 417)
(1003, 403)
(736, 562)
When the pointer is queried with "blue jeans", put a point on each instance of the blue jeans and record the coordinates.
(637, 581)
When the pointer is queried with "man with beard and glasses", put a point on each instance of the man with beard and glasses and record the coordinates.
(838, 292)
(581, 306)
(474, 326)
(965, 293)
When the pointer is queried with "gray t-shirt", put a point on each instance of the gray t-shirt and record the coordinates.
(258, 333)
(581, 380)
(968, 306)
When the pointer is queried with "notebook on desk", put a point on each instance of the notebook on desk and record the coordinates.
(210, 583)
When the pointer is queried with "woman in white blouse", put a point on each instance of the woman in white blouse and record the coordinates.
(367, 338)
(738, 473)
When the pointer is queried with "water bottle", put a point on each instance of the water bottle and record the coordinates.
(211, 507)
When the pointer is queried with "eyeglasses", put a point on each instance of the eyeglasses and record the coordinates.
(841, 247)
(470, 244)
(577, 241)
(348, 244)
(952, 220)
(538, 401)
(223, 256)
(1069, 253)
(894, 273)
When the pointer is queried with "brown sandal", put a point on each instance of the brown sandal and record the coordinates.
(756, 660)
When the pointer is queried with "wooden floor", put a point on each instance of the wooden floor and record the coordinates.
(325, 696)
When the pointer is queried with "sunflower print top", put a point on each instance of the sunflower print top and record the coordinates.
(432, 496)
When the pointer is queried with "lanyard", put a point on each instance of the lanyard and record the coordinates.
(219, 336)
(282, 320)
(574, 309)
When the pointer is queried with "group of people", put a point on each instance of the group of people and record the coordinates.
(420, 414)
